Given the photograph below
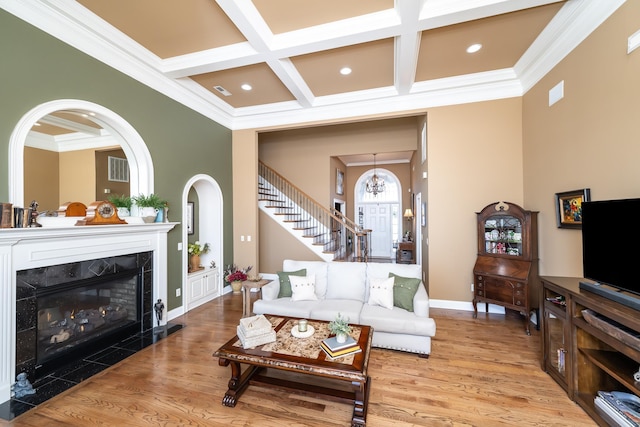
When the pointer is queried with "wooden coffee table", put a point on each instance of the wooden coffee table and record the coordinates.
(299, 364)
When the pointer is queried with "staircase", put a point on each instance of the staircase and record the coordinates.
(328, 233)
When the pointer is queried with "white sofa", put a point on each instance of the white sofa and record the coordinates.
(344, 287)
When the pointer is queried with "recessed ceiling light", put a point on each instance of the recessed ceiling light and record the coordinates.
(474, 48)
(246, 86)
(345, 71)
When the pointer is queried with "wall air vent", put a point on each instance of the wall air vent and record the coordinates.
(222, 90)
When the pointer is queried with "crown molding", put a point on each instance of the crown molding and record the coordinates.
(573, 23)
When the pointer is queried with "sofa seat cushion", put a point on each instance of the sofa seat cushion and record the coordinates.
(397, 320)
(329, 309)
(285, 307)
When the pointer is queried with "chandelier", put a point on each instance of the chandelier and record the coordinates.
(375, 185)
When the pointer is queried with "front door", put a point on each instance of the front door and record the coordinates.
(377, 217)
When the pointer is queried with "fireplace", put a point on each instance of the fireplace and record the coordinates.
(62, 253)
(67, 311)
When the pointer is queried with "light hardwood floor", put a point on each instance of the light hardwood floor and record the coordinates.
(482, 372)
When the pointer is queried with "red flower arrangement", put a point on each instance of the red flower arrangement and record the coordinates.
(238, 276)
(234, 274)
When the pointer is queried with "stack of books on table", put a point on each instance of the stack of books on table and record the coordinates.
(619, 408)
(255, 331)
(334, 349)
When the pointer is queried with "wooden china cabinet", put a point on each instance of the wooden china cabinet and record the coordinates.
(506, 270)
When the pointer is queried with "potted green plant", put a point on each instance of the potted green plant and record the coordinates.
(122, 203)
(149, 206)
(340, 327)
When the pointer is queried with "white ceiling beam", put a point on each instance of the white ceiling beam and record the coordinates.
(407, 45)
(251, 24)
(347, 32)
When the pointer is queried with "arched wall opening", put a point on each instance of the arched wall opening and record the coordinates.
(210, 230)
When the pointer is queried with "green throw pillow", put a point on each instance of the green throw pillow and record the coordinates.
(404, 289)
(285, 284)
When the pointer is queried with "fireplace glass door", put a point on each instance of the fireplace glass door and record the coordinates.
(76, 314)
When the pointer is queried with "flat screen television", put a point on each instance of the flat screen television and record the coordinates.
(611, 250)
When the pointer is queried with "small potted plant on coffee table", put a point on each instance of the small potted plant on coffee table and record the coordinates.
(340, 327)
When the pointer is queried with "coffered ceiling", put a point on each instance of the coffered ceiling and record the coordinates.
(404, 55)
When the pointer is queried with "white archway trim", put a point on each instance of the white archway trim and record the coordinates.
(366, 175)
(358, 202)
(138, 156)
(210, 226)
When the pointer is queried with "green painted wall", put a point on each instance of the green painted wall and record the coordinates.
(38, 68)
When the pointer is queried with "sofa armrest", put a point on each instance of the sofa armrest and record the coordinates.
(421, 302)
(271, 290)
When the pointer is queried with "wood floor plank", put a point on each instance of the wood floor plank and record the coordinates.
(482, 372)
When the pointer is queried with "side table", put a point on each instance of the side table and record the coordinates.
(247, 285)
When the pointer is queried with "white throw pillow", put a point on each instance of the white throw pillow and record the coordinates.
(381, 292)
(303, 288)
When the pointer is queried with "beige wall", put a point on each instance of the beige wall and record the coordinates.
(53, 179)
(474, 159)
(78, 177)
(590, 138)
(41, 175)
(245, 200)
(277, 245)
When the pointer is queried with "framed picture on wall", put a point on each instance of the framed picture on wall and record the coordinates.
(189, 217)
(569, 207)
(339, 182)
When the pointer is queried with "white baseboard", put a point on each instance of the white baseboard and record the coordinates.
(464, 306)
(176, 312)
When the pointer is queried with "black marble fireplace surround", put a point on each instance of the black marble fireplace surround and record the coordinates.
(129, 280)
(45, 289)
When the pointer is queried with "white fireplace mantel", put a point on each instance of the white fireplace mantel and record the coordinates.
(26, 248)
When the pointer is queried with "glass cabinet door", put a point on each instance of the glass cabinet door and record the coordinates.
(503, 235)
(556, 346)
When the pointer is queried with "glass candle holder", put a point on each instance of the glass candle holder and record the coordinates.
(302, 325)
